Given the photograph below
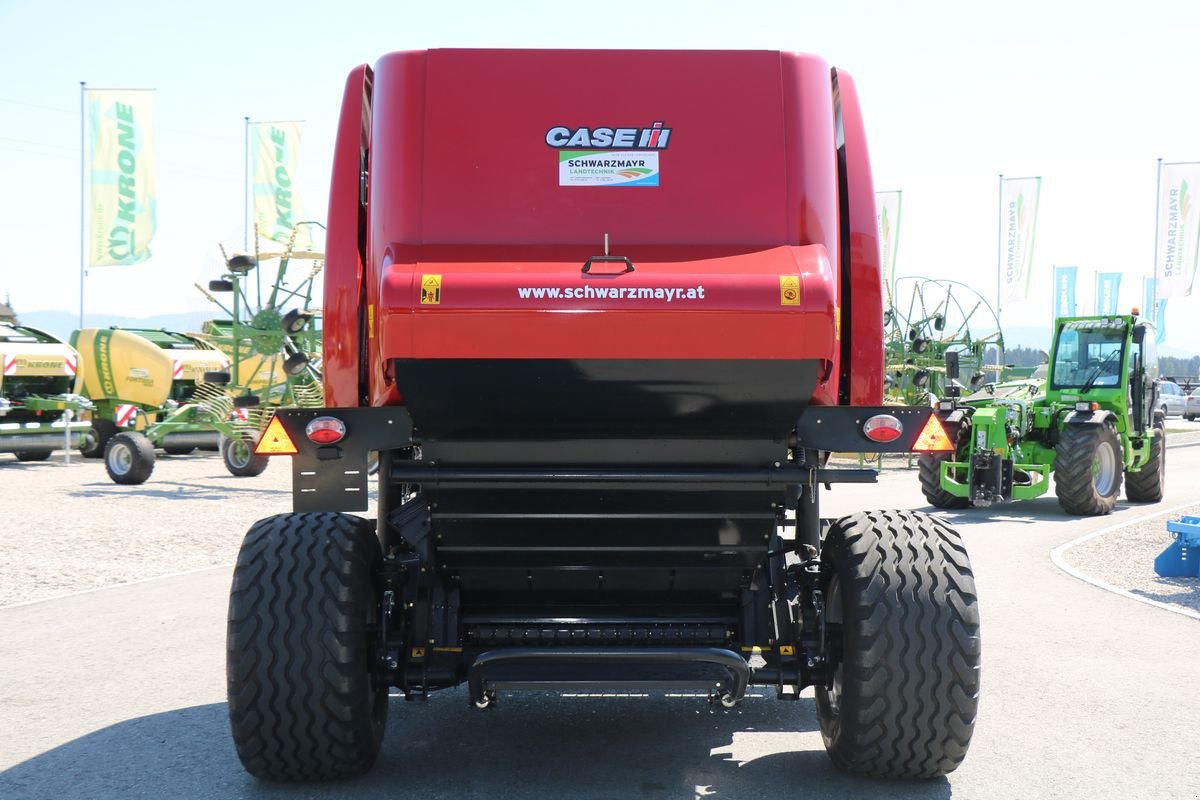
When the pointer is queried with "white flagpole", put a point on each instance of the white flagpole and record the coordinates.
(1152, 312)
(82, 193)
(999, 243)
(246, 189)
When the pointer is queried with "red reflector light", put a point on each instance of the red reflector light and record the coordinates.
(325, 430)
(883, 428)
(933, 438)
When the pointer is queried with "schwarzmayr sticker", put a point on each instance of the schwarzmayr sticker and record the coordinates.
(607, 168)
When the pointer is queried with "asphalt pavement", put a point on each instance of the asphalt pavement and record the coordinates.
(119, 693)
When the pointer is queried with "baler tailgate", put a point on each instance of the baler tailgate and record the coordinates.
(663, 302)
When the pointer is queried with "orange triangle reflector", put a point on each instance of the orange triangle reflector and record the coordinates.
(933, 438)
(275, 441)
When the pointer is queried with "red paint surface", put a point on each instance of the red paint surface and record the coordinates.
(866, 325)
(481, 312)
(343, 260)
(463, 184)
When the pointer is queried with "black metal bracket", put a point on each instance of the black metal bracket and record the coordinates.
(784, 475)
(482, 690)
(587, 265)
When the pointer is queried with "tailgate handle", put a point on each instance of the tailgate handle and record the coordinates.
(587, 265)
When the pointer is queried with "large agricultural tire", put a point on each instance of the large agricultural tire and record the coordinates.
(178, 450)
(33, 455)
(1087, 469)
(1148, 485)
(129, 458)
(240, 458)
(929, 467)
(302, 702)
(96, 438)
(905, 689)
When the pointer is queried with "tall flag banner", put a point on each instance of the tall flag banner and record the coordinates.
(1178, 242)
(275, 152)
(887, 213)
(1018, 222)
(123, 203)
(1064, 291)
(1156, 313)
(1108, 289)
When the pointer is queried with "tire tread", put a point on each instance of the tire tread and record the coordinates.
(300, 703)
(911, 633)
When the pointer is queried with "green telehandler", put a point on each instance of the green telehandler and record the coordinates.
(1091, 421)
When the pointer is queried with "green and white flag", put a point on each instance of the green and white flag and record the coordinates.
(1018, 222)
(1178, 229)
(123, 203)
(887, 214)
(275, 149)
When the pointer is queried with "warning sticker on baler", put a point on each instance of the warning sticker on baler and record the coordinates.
(789, 290)
(607, 168)
(431, 290)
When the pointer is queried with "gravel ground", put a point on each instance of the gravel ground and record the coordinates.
(1124, 558)
(68, 528)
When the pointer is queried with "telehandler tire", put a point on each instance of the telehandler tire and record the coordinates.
(902, 622)
(1087, 469)
(240, 458)
(129, 458)
(95, 440)
(302, 701)
(929, 467)
(1148, 485)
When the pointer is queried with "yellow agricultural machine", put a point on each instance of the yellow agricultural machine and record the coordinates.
(40, 403)
(135, 378)
(161, 389)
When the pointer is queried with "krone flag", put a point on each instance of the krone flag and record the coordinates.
(1018, 221)
(887, 213)
(1178, 229)
(277, 207)
(123, 202)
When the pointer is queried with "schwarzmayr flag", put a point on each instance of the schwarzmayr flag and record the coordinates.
(123, 202)
(1108, 289)
(275, 150)
(1064, 291)
(887, 211)
(1018, 220)
(1178, 229)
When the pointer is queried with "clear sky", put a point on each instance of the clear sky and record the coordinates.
(1086, 94)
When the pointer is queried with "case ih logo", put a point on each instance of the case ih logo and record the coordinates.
(653, 138)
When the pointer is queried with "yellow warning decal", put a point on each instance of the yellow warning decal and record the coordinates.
(789, 290)
(837, 323)
(370, 320)
(787, 650)
(275, 441)
(756, 649)
(431, 290)
(418, 652)
(447, 649)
